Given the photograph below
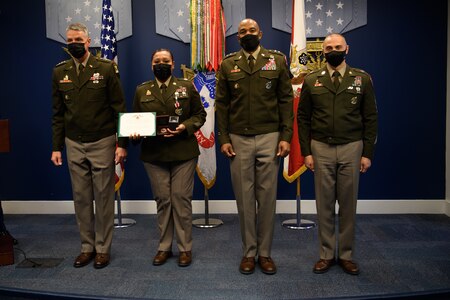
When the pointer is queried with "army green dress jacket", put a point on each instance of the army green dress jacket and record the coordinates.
(254, 102)
(86, 109)
(338, 117)
(181, 99)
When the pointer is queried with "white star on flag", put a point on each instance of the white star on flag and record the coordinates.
(324, 17)
(108, 36)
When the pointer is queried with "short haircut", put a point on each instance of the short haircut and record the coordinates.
(160, 50)
(78, 27)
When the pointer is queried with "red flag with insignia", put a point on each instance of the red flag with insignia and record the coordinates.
(294, 165)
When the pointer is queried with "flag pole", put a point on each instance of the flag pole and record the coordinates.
(207, 222)
(298, 222)
(119, 222)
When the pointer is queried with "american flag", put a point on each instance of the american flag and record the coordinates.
(108, 35)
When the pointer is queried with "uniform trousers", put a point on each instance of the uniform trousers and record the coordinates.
(336, 176)
(172, 186)
(254, 172)
(91, 167)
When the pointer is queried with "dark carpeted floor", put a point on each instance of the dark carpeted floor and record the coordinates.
(399, 256)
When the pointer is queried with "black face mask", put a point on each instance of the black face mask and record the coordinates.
(249, 42)
(76, 49)
(335, 58)
(162, 71)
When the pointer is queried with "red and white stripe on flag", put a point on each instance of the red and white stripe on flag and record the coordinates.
(294, 164)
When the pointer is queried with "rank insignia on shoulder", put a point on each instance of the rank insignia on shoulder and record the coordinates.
(360, 70)
(116, 68)
(276, 52)
(61, 63)
(229, 54)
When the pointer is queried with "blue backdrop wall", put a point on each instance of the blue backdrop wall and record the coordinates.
(403, 47)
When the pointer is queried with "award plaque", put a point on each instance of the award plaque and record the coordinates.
(164, 122)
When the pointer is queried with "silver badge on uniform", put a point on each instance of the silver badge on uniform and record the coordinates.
(268, 85)
(236, 85)
(354, 100)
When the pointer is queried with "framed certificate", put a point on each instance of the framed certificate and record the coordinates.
(142, 123)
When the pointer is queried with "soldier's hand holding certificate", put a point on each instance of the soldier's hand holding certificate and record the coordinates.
(140, 123)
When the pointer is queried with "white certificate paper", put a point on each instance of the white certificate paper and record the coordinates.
(142, 123)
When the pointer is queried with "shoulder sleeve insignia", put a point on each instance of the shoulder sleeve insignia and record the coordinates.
(116, 68)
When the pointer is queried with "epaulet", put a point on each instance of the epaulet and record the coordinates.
(312, 72)
(276, 52)
(62, 63)
(105, 60)
(360, 70)
(183, 79)
(229, 55)
(145, 82)
(108, 61)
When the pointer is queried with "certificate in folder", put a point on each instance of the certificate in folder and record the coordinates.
(142, 123)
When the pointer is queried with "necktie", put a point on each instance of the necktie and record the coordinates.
(336, 82)
(163, 89)
(251, 62)
(80, 69)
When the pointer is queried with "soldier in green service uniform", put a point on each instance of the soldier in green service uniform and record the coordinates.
(170, 157)
(337, 125)
(87, 97)
(254, 119)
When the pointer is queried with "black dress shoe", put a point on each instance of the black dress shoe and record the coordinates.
(83, 259)
(161, 257)
(247, 265)
(267, 265)
(101, 260)
(185, 259)
(349, 266)
(323, 265)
